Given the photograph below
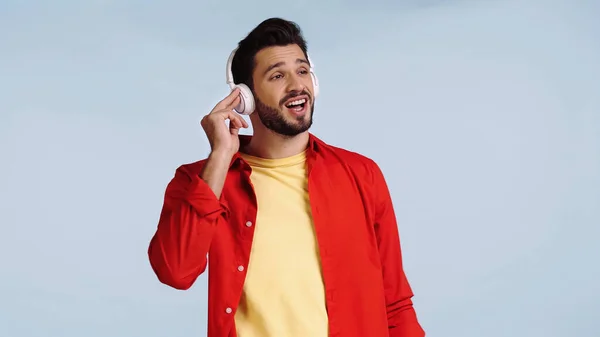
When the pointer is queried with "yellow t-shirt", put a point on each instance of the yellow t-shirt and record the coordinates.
(283, 293)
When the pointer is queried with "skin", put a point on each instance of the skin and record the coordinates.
(281, 73)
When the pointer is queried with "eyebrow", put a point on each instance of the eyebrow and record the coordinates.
(279, 64)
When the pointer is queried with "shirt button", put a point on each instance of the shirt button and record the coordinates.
(248, 223)
(241, 268)
(228, 310)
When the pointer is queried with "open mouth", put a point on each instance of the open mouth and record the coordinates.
(298, 105)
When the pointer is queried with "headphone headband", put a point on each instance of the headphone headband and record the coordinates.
(229, 73)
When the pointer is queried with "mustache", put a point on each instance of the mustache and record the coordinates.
(295, 94)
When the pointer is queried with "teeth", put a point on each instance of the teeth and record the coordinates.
(296, 102)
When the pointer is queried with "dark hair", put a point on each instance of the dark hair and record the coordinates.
(269, 33)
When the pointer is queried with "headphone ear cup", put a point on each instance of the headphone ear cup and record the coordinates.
(315, 81)
(246, 106)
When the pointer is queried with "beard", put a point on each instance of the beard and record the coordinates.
(275, 120)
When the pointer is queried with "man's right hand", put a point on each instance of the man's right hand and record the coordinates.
(224, 139)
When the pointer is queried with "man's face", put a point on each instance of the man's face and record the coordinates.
(283, 89)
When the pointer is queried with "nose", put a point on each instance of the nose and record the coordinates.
(295, 83)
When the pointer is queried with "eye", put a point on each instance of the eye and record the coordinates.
(276, 77)
(303, 71)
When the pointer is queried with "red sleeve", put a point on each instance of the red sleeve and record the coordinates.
(402, 319)
(190, 214)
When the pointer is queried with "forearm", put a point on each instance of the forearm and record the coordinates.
(402, 319)
(188, 220)
(215, 171)
(178, 249)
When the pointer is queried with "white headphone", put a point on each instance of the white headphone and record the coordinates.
(247, 105)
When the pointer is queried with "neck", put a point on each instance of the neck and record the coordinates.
(270, 145)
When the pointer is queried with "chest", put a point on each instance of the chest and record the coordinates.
(335, 202)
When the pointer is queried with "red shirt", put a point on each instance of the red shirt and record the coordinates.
(367, 293)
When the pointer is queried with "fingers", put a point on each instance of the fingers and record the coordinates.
(230, 101)
(234, 103)
(224, 111)
(235, 119)
(244, 123)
